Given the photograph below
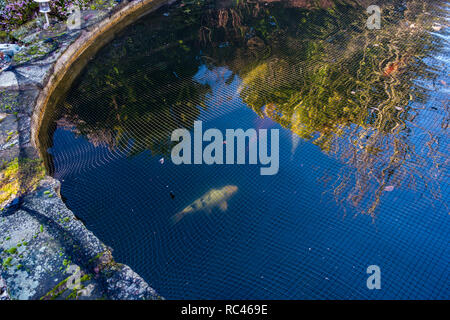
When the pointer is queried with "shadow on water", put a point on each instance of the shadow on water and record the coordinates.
(373, 102)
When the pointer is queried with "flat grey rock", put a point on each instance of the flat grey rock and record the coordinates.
(8, 81)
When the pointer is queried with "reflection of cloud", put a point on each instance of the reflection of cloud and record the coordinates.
(224, 96)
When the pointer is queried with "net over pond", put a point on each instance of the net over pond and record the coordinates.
(363, 154)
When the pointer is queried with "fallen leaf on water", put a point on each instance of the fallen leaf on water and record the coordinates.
(391, 68)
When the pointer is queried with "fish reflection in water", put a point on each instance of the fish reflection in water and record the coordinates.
(213, 198)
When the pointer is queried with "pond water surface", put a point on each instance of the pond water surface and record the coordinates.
(363, 179)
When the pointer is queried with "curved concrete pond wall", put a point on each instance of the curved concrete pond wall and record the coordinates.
(45, 251)
(77, 55)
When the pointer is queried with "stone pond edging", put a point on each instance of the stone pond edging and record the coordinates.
(42, 243)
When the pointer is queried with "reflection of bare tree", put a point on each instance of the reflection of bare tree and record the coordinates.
(365, 116)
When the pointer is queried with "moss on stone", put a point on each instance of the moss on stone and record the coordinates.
(12, 250)
(7, 262)
(59, 289)
(19, 176)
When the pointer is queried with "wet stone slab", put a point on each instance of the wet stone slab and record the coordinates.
(8, 81)
(4, 295)
(9, 137)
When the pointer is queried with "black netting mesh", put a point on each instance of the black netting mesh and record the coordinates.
(362, 179)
